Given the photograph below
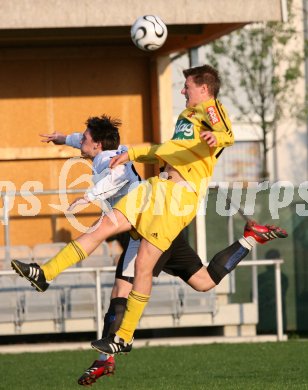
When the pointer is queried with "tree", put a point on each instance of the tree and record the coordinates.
(260, 73)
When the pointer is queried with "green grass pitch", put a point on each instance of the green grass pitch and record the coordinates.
(216, 366)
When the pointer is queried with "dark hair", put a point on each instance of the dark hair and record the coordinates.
(105, 130)
(205, 74)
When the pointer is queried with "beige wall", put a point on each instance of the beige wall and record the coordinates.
(87, 13)
(57, 89)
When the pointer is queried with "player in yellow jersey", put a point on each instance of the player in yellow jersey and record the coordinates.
(202, 131)
(159, 208)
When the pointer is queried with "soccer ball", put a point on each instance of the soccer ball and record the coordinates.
(149, 32)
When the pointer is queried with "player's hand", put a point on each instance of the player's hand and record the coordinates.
(209, 138)
(56, 138)
(119, 159)
(78, 201)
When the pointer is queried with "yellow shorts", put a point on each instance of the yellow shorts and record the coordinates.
(159, 209)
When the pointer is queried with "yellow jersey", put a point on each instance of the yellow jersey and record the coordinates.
(186, 151)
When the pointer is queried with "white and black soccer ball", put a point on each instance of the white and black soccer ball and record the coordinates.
(149, 32)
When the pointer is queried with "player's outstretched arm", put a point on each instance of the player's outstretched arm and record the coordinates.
(55, 137)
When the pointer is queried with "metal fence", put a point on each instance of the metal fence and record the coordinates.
(98, 290)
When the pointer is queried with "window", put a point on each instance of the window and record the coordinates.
(241, 162)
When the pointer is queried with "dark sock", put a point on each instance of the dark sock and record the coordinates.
(114, 316)
(225, 261)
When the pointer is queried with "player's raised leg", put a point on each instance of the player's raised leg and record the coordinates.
(226, 260)
(77, 250)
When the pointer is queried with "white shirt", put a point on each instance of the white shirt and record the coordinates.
(111, 184)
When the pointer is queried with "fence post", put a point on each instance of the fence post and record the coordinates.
(6, 220)
(98, 304)
(278, 302)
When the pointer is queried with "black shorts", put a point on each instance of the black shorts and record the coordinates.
(122, 238)
(179, 260)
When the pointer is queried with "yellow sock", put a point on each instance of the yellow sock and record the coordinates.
(136, 304)
(68, 256)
